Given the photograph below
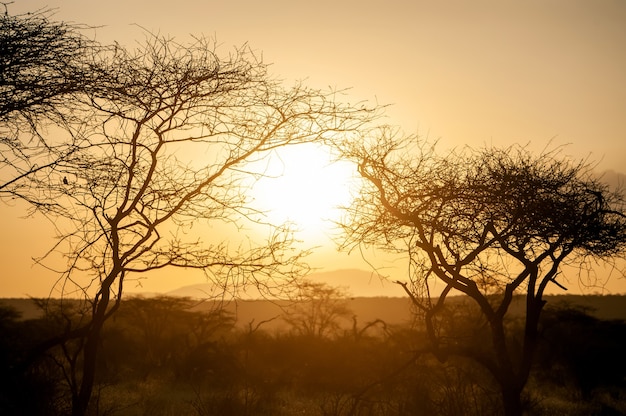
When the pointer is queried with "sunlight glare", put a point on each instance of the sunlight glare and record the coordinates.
(304, 186)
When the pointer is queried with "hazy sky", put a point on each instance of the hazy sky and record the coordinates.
(465, 72)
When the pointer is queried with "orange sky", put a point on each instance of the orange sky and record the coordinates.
(479, 72)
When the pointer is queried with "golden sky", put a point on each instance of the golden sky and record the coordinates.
(464, 72)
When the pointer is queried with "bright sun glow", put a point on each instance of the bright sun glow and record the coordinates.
(305, 187)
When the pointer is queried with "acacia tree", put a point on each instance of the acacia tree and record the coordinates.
(44, 66)
(162, 150)
(487, 224)
(317, 309)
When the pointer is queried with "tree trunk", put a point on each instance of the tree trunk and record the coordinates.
(80, 402)
(511, 399)
(90, 353)
(511, 382)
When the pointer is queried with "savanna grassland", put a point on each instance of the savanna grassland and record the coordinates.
(173, 356)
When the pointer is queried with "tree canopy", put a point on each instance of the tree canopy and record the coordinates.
(45, 67)
(485, 223)
(42, 63)
(149, 162)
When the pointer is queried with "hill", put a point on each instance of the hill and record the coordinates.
(357, 283)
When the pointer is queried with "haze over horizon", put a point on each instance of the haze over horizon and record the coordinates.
(542, 73)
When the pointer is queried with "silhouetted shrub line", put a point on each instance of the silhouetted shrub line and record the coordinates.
(184, 361)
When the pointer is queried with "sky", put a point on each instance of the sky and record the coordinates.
(539, 72)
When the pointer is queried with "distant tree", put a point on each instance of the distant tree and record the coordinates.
(163, 149)
(164, 332)
(487, 224)
(317, 309)
(44, 66)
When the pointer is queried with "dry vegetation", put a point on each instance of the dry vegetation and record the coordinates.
(171, 356)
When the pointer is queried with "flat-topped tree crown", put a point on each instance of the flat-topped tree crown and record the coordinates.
(486, 223)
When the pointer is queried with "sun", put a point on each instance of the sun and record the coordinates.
(302, 185)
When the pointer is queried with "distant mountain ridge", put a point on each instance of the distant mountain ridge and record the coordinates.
(356, 282)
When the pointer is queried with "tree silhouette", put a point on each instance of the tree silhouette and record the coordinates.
(317, 310)
(158, 173)
(42, 64)
(487, 224)
(44, 67)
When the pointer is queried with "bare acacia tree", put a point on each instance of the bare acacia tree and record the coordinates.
(44, 66)
(160, 168)
(317, 310)
(487, 224)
